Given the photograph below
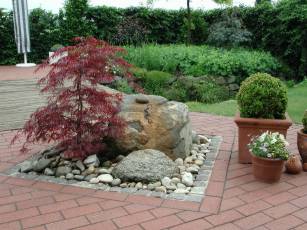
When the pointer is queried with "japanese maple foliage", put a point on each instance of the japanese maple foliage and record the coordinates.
(78, 115)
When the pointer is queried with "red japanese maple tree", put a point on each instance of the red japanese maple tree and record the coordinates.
(78, 115)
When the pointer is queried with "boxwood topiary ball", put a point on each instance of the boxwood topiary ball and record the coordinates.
(262, 96)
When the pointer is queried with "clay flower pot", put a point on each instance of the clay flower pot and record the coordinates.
(302, 145)
(293, 165)
(251, 127)
(266, 169)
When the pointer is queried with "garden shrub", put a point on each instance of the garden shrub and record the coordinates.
(154, 82)
(262, 96)
(130, 31)
(203, 60)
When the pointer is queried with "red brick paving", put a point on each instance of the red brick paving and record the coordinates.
(234, 199)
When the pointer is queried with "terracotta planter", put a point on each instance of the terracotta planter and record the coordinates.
(250, 127)
(302, 145)
(267, 170)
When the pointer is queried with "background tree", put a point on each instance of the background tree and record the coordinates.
(73, 20)
(229, 31)
(189, 16)
(78, 115)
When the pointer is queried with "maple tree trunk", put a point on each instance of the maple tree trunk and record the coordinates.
(80, 110)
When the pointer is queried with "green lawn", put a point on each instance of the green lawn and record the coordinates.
(297, 104)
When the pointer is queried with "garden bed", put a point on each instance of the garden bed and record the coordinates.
(203, 154)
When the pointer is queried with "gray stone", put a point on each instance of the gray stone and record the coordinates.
(195, 138)
(119, 158)
(150, 187)
(181, 186)
(234, 87)
(231, 79)
(220, 80)
(181, 191)
(175, 180)
(142, 99)
(139, 185)
(199, 162)
(94, 180)
(92, 160)
(53, 151)
(123, 185)
(107, 164)
(193, 169)
(188, 160)
(116, 182)
(26, 167)
(62, 171)
(105, 178)
(69, 176)
(90, 170)
(79, 177)
(179, 161)
(104, 171)
(160, 124)
(76, 172)
(89, 177)
(187, 179)
(131, 185)
(203, 139)
(80, 165)
(145, 166)
(166, 181)
(197, 190)
(41, 164)
(160, 189)
(48, 172)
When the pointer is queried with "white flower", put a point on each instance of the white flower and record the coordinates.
(273, 141)
(269, 155)
(264, 149)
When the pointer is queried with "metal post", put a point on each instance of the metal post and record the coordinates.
(25, 57)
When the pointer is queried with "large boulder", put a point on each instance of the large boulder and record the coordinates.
(145, 166)
(156, 123)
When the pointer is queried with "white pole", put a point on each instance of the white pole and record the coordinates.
(25, 64)
(25, 57)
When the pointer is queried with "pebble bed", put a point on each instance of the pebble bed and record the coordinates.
(190, 184)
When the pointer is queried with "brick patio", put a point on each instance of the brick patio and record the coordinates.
(233, 200)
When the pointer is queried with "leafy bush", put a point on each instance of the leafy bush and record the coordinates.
(130, 31)
(184, 88)
(154, 82)
(203, 60)
(122, 85)
(262, 96)
(78, 116)
(56, 47)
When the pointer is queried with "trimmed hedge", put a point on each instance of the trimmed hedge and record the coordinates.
(279, 28)
(262, 96)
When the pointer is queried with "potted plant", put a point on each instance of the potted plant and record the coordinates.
(53, 49)
(268, 156)
(262, 101)
(302, 141)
